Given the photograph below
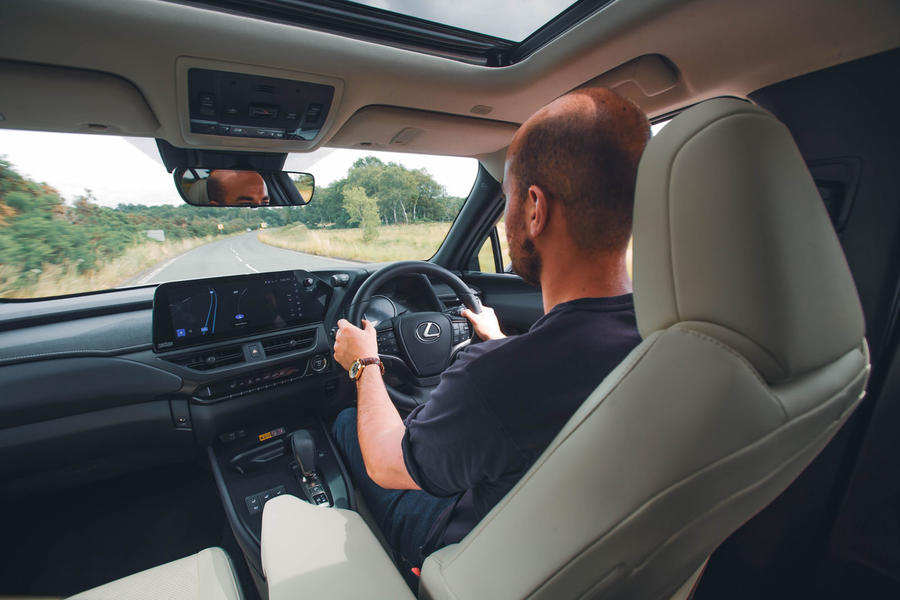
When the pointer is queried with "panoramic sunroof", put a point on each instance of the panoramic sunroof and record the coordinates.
(512, 20)
(496, 33)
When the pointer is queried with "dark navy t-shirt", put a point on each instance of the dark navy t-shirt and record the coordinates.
(503, 401)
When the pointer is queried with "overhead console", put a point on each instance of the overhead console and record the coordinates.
(251, 106)
(243, 106)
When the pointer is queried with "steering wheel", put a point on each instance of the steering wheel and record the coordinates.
(416, 347)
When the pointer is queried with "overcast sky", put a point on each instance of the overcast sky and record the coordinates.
(129, 171)
(121, 170)
(509, 19)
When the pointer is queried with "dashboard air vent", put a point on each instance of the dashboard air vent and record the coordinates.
(301, 340)
(210, 359)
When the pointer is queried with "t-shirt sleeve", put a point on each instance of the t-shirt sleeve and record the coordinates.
(454, 442)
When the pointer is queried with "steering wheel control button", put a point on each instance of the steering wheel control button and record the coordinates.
(462, 331)
(387, 343)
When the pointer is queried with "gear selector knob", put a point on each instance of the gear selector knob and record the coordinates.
(304, 447)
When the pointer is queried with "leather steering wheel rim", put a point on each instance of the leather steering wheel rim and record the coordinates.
(419, 393)
(365, 292)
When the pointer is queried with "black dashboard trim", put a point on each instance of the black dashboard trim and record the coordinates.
(39, 356)
(19, 314)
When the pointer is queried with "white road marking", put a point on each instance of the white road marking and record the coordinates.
(157, 271)
(242, 261)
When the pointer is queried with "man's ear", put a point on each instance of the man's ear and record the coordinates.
(538, 211)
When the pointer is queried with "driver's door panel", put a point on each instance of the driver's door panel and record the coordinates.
(517, 304)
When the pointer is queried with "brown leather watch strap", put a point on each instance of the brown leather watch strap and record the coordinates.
(363, 363)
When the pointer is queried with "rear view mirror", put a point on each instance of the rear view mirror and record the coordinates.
(229, 187)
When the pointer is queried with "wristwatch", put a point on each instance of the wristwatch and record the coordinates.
(356, 369)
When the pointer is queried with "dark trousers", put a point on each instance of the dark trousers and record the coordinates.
(405, 517)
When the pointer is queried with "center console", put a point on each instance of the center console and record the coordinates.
(253, 466)
(254, 353)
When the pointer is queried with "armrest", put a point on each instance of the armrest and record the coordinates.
(328, 550)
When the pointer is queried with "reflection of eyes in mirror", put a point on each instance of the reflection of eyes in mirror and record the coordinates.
(236, 188)
(233, 187)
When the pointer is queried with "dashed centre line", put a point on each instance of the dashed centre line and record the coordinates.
(241, 260)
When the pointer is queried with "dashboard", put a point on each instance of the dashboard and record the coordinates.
(98, 368)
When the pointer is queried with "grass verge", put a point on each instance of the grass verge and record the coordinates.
(394, 242)
(58, 280)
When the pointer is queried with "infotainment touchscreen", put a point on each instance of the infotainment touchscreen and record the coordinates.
(202, 311)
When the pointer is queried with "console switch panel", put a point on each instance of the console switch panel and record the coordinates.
(256, 502)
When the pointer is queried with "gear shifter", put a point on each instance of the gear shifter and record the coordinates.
(304, 447)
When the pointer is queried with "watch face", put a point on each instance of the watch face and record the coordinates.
(354, 369)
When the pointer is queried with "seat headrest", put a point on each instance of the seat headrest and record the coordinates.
(731, 238)
(198, 194)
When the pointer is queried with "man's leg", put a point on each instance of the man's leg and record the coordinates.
(404, 516)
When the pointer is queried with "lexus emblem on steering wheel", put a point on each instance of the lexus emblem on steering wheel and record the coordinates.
(428, 331)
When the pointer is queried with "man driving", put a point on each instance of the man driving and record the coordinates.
(569, 183)
(236, 188)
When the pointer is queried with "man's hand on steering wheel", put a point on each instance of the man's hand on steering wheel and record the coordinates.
(417, 346)
(485, 323)
(352, 343)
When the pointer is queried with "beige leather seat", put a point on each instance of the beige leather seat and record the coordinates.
(207, 575)
(753, 356)
(197, 193)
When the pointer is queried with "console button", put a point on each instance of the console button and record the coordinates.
(254, 506)
(263, 110)
(203, 127)
(318, 363)
(254, 352)
(313, 112)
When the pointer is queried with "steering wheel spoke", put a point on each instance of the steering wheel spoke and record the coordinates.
(416, 347)
(387, 339)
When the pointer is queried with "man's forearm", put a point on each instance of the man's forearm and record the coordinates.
(380, 430)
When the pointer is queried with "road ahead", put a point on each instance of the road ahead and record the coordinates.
(236, 255)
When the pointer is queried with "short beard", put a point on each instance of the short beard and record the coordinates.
(528, 264)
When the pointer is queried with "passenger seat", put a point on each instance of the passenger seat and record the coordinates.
(207, 575)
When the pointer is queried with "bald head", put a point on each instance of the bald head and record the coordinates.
(583, 150)
(236, 188)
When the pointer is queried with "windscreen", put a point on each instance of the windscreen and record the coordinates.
(83, 213)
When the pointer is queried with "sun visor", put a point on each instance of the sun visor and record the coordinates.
(649, 81)
(45, 98)
(408, 130)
